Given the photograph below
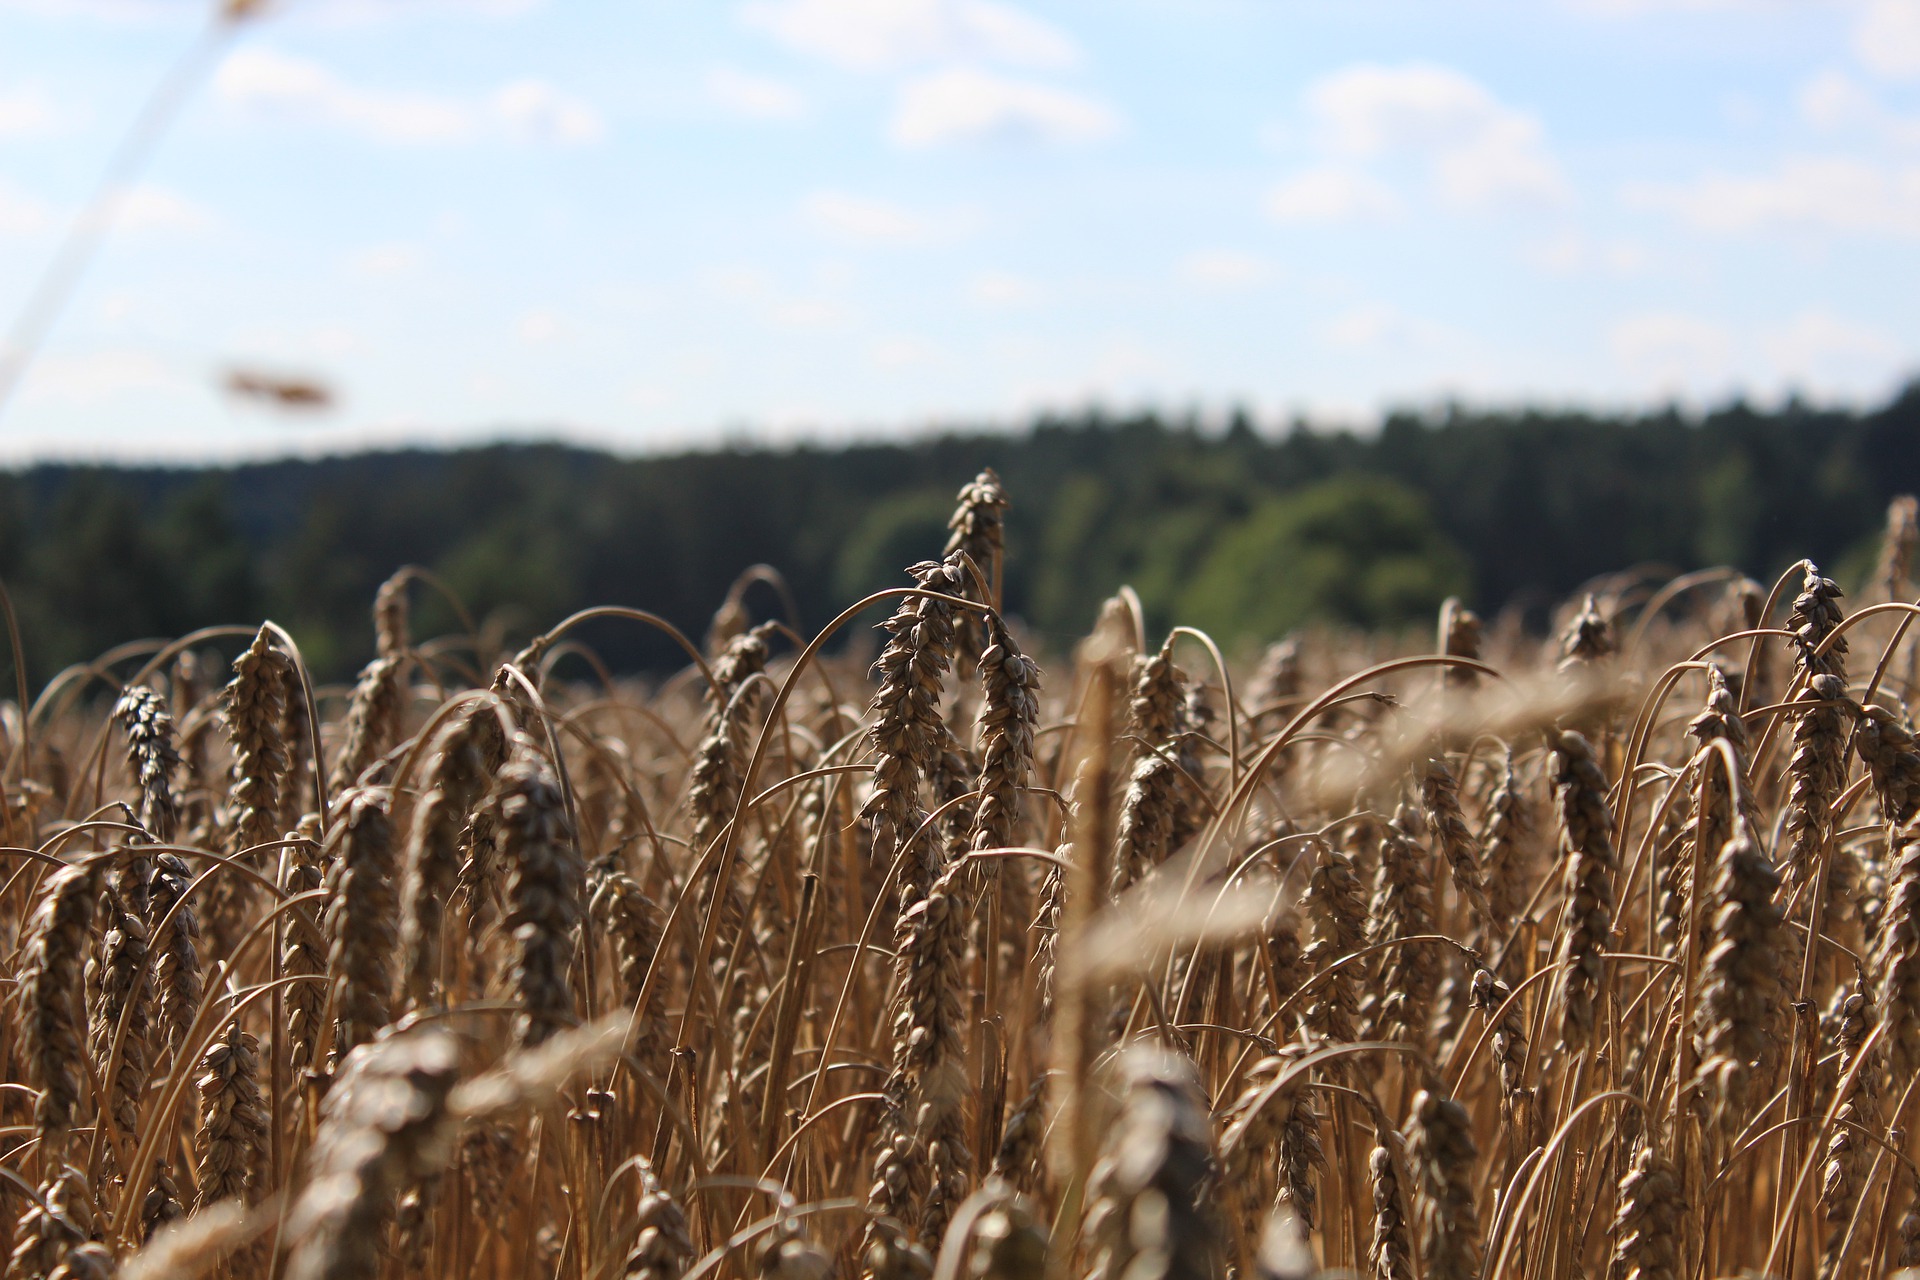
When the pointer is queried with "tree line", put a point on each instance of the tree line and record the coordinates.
(1246, 531)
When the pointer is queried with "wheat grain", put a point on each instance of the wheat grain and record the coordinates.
(383, 1128)
(545, 884)
(1440, 1145)
(1401, 907)
(372, 721)
(233, 1120)
(1336, 919)
(52, 1000)
(1646, 1225)
(1844, 1170)
(361, 919)
(457, 777)
(118, 991)
(256, 710)
(1007, 1241)
(1586, 845)
(1390, 1251)
(144, 718)
(59, 1222)
(1148, 1214)
(661, 1247)
(1740, 976)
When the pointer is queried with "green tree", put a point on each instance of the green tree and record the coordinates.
(898, 530)
(1356, 549)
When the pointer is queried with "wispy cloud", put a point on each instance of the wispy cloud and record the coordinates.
(22, 214)
(26, 112)
(1886, 37)
(1807, 193)
(878, 221)
(889, 35)
(154, 208)
(144, 209)
(1574, 253)
(391, 259)
(335, 13)
(752, 96)
(1823, 349)
(1223, 270)
(273, 85)
(1004, 289)
(531, 110)
(1385, 326)
(966, 104)
(1332, 194)
(904, 351)
(808, 313)
(540, 326)
(762, 297)
(1478, 151)
(1636, 8)
(100, 376)
(1673, 351)
(1834, 101)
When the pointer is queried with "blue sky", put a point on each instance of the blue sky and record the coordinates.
(656, 223)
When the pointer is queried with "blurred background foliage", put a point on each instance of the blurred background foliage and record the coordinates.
(1246, 533)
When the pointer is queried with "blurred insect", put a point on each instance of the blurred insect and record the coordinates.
(279, 391)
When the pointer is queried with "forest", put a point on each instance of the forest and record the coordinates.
(1249, 530)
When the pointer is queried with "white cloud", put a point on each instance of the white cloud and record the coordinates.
(336, 13)
(1573, 253)
(276, 85)
(1382, 325)
(96, 377)
(340, 13)
(535, 111)
(270, 83)
(755, 97)
(807, 313)
(1004, 289)
(861, 218)
(1672, 351)
(647, 395)
(1815, 350)
(1819, 193)
(1886, 37)
(334, 341)
(1832, 100)
(22, 214)
(1480, 152)
(97, 10)
(152, 208)
(884, 35)
(903, 352)
(141, 209)
(1824, 349)
(758, 294)
(965, 104)
(1635, 8)
(1223, 269)
(386, 259)
(541, 325)
(1506, 160)
(26, 112)
(1332, 194)
(739, 284)
(1120, 369)
(1365, 326)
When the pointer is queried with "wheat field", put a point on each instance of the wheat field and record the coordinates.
(1385, 956)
